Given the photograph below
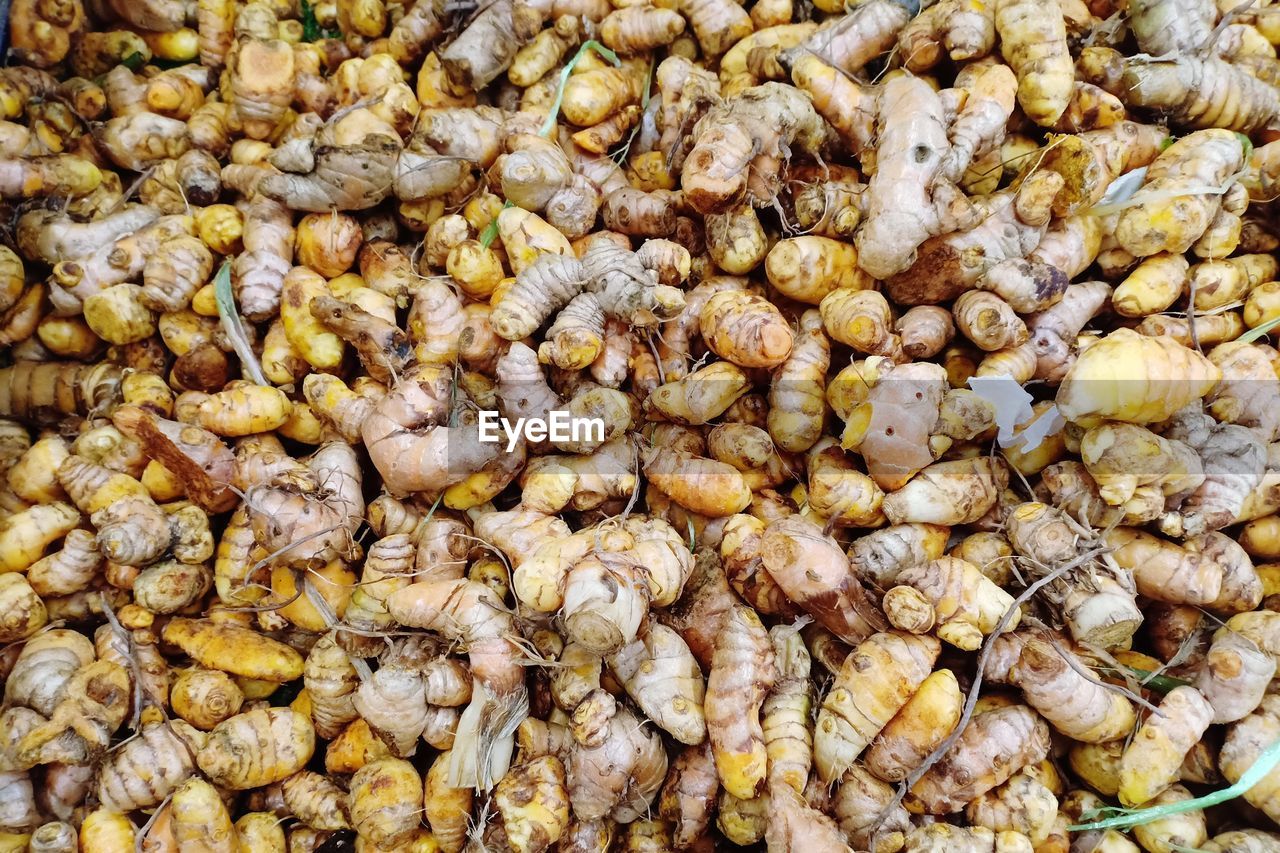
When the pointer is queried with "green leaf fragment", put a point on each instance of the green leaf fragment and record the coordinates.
(234, 326)
(1123, 818)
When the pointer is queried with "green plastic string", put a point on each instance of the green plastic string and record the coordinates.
(1259, 331)
(1258, 771)
(490, 232)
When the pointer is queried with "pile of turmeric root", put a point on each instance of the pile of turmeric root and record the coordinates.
(928, 491)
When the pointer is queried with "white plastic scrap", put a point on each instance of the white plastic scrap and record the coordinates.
(1013, 408)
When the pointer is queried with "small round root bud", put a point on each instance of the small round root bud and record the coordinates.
(908, 610)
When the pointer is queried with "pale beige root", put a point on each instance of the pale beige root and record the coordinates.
(410, 444)
(439, 340)
(621, 775)
(873, 684)
(920, 41)
(1242, 587)
(1076, 706)
(1165, 26)
(1023, 805)
(925, 331)
(1097, 603)
(1240, 841)
(487, 46)
(993, 746)
(794, 825)
(755, 57)
(907, 200)
(740, 555)
(578, 674)
(1234, 460)
(1153, 760)
(330, 681)
(908, 610)
(851, 41)
(1124, 458)
(1203, 159)
(716, 24)
(258, 272)
(980, 125)
(838, 493)
(70, 569)
(626, 289)
(283, 742)
(1011, 226)
(947, 838)
(1196, 92)
(742, 667)
(202, 697)
(796, 397)
(988, 321)
(1244, 743)
(146, 770)
(519, 533)
(688, 795)
(967, 604)
(739, 147)
(1233, 676)
(132, 531)
(347, 177)
(93, 704)
(958, 492)
(1071, 244)
(1053, 331)
(316, 800)
(814, 573)
(469, 613)
(787, 712)
(1177, 829)
(304, 527)
(336, 405)
(200, 821)
(576, 338)
(857, 805)
(879, 556)
(1242, 396)
(382, 346)
(921, 725)
(849, 106)
(704, 604)
(44, 235)
(745, 329)
(1259, 626)
(393, 703)
(113, 263)
(809, 267)
(142, 140)
(662, 677)
(1033, 40)
(891, 429)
